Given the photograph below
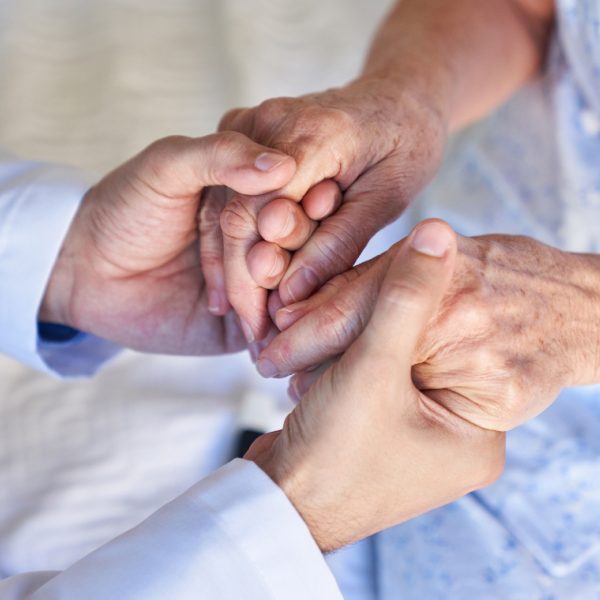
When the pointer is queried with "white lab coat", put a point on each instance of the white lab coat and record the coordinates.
(232, 535)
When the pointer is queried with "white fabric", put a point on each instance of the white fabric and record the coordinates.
(203, 544)
(37, 203)
(88, 84)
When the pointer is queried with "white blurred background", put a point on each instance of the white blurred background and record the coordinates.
(90, 83)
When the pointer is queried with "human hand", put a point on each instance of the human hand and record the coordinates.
(373, 140)
(365, 449)
(518, 323)
(129, 270)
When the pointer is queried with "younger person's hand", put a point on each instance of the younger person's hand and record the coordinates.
(129, 270)
(365, 449)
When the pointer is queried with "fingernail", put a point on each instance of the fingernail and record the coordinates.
(301, 283)
(247, 331)
(216, 302)
(288, 226)
(293, 391)
(266, 368)
(278, 266)
(254, 350)
(285, 317)
(432, 239)
(268, 161)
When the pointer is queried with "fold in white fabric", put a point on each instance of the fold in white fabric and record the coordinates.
(37, 204)
(233, 535)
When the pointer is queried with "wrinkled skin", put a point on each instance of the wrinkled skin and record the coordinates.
(517, 324)
(357, 453)
(129, 270)
(375, 145)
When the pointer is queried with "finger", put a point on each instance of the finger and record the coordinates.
(256, 348)
(322, 200)
(301, 382)
(412, 290)
(329, 322)
(286, 316)
(285, 223)
(180, 166)
(325, 142)
(274, 304)
(267, 263)
(236, 119)
(240, 234)
(211, 248)
(373, 201)
(332, 249)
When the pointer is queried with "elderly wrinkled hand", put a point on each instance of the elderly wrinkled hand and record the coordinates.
(363, 151)
(129, 269)
(519, 322)
(365, 449)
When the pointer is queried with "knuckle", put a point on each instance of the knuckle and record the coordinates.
(222, 147)
(406, 294)
(210, 212)
(237, 220)
(210, 221)
(271, 111)
(157, 158)
(343, 324)
(211, 260)
(473, 314)
(337, 246)
(228, 119)
(324, 118)
(226, 140)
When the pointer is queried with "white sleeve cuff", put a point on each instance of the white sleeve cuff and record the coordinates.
(259, 518)
(233, 535)
(37, 204)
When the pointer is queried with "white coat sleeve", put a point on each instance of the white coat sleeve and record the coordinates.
(233, 535)
(37, 204)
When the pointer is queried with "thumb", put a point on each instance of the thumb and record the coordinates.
(412, 290)
(181, 166)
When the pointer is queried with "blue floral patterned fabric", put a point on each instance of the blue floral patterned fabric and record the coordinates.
(531, 169)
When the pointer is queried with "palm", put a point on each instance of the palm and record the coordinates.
(151, 293)
(166, 310)
(129, 268)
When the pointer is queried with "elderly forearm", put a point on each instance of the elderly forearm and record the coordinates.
(463, 57)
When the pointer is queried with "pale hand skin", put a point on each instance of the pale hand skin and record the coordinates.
(519, 322)
(378, 145)
(431, 68)
(365, 449)
(129, 270)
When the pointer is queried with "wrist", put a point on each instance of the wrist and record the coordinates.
(414, 82)
(56, 306)
(405, 115)
(286, 475)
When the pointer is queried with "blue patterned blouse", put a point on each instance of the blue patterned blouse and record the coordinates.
(531, 169)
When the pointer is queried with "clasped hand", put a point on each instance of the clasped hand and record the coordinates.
(409, 367)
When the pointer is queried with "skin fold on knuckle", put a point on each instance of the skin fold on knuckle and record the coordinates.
(481, 450)
(343, 324)
(334, 249)
(270, 113)
(238, 222)
(209, 218)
